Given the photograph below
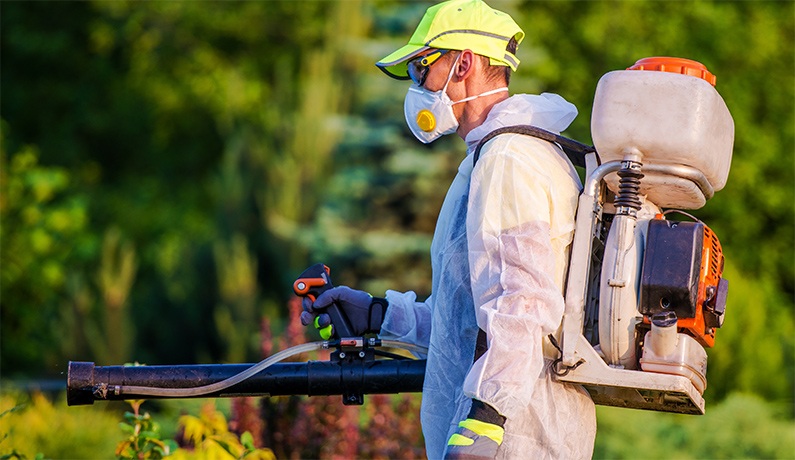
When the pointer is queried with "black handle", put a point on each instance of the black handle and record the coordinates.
(314, 281)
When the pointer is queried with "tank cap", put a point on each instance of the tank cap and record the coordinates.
(676, 65)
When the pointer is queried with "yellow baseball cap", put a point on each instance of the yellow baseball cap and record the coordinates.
(458, 25)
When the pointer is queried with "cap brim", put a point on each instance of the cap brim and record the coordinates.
(394, 64)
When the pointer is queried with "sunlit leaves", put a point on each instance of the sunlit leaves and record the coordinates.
(37, 427)
(209, 437)
(44, 228)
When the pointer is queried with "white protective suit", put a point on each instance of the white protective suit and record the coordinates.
(499, 258)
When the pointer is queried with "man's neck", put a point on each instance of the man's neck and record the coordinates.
(477, 110)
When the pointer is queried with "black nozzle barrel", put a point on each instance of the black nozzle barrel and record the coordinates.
(87, 383)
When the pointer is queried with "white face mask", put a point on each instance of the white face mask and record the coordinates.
(429, 114)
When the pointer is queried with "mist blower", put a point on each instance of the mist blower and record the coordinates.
(644, 295)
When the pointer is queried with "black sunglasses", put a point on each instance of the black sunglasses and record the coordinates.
(418, 67)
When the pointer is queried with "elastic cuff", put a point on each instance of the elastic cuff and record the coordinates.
(485, 413)
(377, 313)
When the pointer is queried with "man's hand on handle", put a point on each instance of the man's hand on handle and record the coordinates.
(365, 313)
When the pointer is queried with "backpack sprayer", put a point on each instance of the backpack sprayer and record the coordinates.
(644, 294)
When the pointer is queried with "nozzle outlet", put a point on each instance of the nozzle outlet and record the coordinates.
(79, 383)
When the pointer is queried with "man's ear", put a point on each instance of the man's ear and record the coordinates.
(466, 65)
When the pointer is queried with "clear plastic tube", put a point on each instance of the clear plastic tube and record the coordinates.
(406, 346)
(223, 384)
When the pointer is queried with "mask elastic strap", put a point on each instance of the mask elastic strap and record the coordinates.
(467, 99)
(450, 75)
(487, 93)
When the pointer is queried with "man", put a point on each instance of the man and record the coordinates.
(499, 252)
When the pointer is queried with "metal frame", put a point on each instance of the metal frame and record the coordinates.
(608, 385)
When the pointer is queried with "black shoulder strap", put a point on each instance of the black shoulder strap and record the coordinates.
(576, 151)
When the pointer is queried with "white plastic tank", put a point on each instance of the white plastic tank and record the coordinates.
(668, 110)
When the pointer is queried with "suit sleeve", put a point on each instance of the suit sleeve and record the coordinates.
(407, 320)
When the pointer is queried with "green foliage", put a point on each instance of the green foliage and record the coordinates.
(237, 319)
(44, 235)
(742, 426)
(755, 349)
(115, 276)
(206, 435)
(38, 426)
(143, 436)
(14, 454)
(210, 437)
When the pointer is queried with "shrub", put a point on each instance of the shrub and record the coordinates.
(742, 426)
(35, 425)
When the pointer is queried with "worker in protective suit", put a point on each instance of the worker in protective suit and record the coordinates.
(499, 251)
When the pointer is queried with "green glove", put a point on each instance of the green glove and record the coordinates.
(479, 436)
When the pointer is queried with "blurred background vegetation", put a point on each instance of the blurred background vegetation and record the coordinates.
(168, 168)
